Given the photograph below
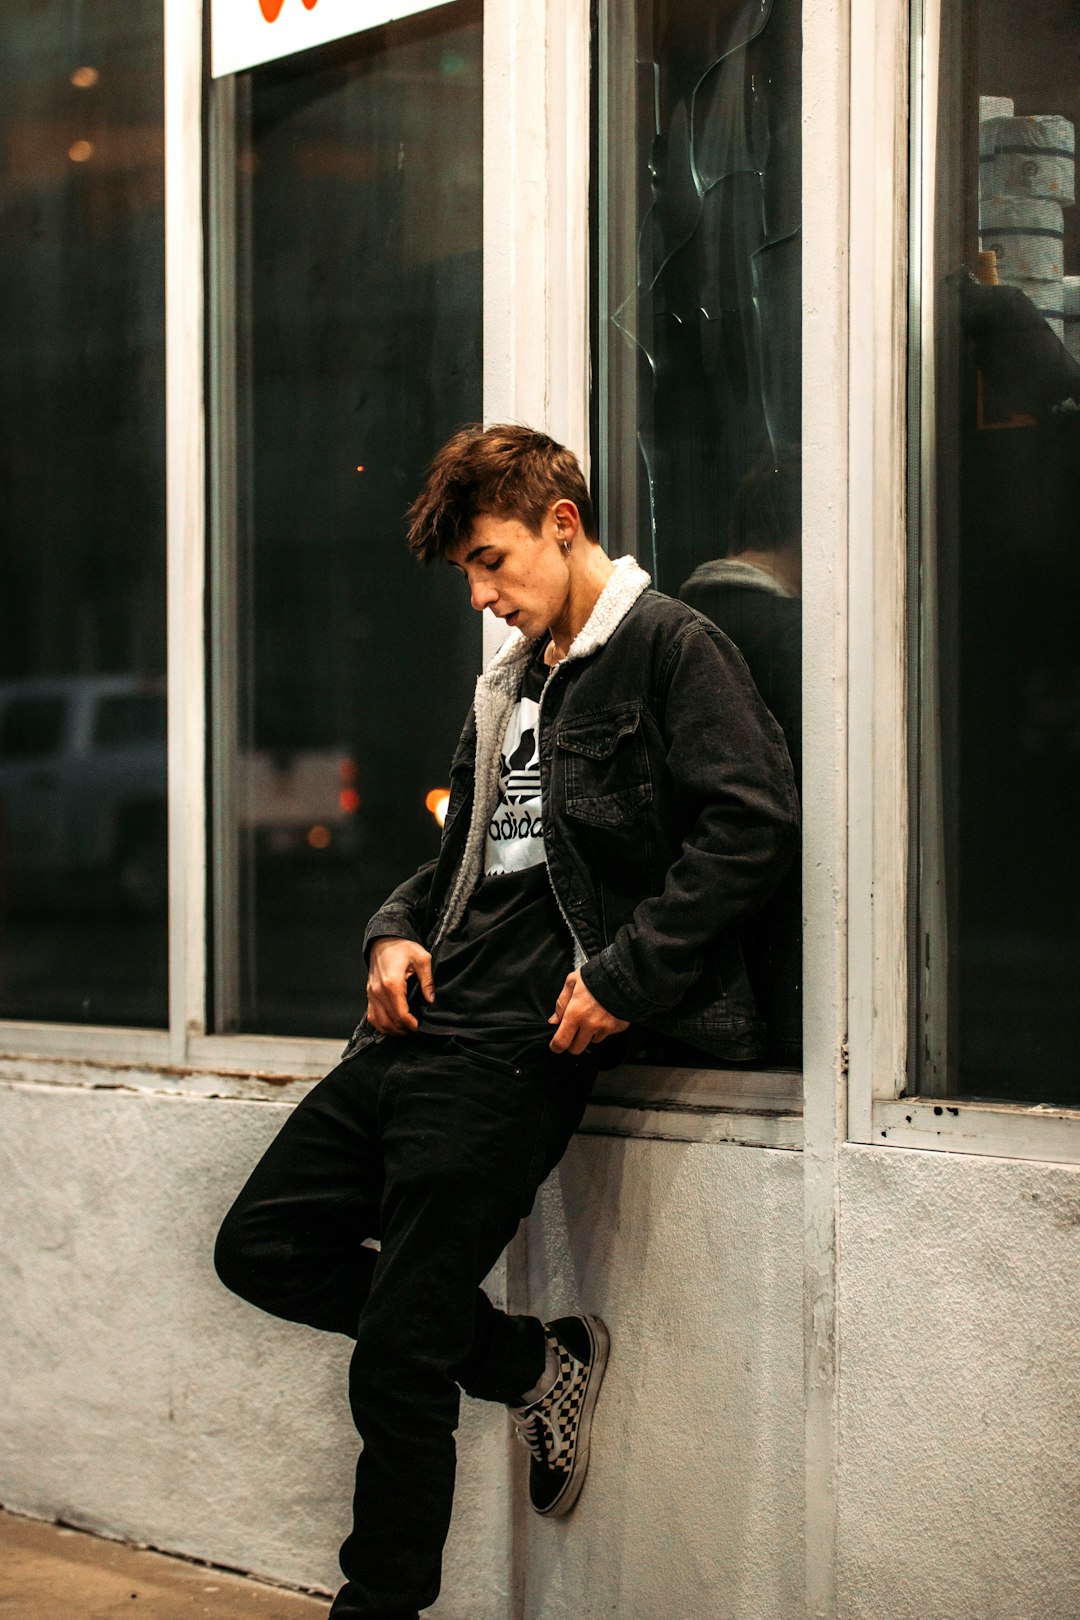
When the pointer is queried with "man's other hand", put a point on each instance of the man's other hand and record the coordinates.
(581, 1019)
(391, 964)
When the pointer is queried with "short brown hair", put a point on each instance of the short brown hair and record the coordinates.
(766, 514)
(503, 471)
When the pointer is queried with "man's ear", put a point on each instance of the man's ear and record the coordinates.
(567, 521)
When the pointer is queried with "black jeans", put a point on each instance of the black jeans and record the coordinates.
(436, 1147)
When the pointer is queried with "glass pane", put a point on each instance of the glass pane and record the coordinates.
(698, 404)
(82, 513)
(996, 560)
(358, 350)
(31, 727)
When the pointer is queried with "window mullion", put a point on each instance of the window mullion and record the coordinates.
(536, 222)
(223, 616)
(185, 519)
(536, 189)
(877, 748)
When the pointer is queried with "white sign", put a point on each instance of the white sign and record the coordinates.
(244, 33)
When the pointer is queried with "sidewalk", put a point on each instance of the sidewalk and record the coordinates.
(47, 1573)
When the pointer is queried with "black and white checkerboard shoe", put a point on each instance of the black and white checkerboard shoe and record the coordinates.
(556, 1427)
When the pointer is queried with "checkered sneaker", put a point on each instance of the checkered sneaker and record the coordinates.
(556, 1428)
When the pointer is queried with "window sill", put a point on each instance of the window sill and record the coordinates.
(992, 1129)
(754, 1109)
(90, 1042)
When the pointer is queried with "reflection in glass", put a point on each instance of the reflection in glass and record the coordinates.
(357, 340)
(699, 342)
(996, 391)
(82, 528)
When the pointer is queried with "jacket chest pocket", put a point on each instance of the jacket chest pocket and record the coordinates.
(605, 768)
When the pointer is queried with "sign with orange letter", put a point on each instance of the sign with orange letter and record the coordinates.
(244, 33)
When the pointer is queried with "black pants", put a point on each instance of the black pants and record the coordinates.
(436, 1147)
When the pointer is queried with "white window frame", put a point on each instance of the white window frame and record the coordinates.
(537, 64)
(880, 1003)
(535, 345)
(184, 455)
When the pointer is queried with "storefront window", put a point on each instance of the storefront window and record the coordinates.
(82, 514)
(698, 341)
(996, 560)
(351, 336)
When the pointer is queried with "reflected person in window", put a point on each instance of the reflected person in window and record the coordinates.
(621, 801)
(754, 595)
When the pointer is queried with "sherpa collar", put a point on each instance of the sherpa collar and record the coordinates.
(743, 575)
(624, 585)
(496, 695)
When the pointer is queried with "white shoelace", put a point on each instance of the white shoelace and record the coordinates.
(528, 1430)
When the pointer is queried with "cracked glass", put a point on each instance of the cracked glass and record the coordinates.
(697, 404)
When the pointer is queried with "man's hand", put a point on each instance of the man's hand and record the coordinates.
(581, 1019)
(390, 965)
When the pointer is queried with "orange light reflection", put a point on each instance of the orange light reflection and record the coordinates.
(438, 801)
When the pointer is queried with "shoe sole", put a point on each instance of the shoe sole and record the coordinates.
(600, 1345)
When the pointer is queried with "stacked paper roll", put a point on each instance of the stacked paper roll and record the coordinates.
(1027, 177)
(1070, 288)
(991, 108)
(1028, 157)
(995, 107)
(1028, 236)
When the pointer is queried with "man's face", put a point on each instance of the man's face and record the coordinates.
(521, 576)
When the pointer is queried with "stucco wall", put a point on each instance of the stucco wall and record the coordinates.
(959, 1388)
(142, 1400)
(693, 1506)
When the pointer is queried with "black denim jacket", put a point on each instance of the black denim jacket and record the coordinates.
(669, 812)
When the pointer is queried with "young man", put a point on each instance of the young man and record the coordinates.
(620, 799)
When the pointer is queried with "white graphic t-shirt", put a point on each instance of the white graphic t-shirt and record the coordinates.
(515, 837)
(502, 967)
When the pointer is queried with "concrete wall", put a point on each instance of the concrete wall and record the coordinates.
(692, 1253)
(959, 1387)
(142, 1400)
